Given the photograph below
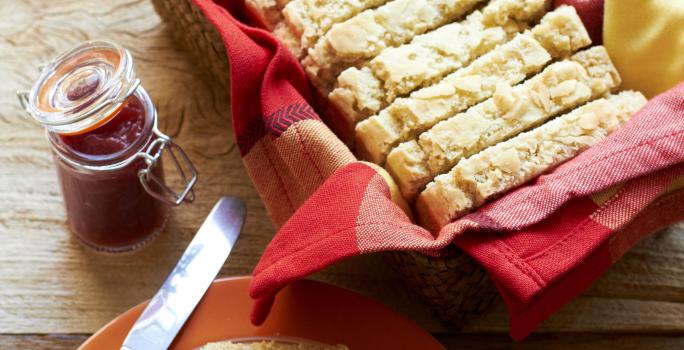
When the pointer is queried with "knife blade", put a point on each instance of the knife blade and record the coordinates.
(168, 310)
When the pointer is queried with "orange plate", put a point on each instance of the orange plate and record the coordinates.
(305, 309)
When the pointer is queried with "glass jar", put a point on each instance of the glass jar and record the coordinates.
(102, 128)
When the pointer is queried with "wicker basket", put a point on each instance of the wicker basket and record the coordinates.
(457, 288)
(197, 36)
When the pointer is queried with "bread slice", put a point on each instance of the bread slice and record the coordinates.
(363, 91)
(406, 117)
(365, 35)
(310, 19)
(509, 164)
(299, 23)
(560, 87)
(563, 86)
(286, 36)
(269, 11)
(561, 33)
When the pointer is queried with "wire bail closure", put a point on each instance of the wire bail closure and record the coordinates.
(148, 180)
(23, 96)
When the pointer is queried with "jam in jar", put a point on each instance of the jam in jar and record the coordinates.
(102, 128)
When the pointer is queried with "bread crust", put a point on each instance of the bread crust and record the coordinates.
(364, 36)
(311, 19)
(560, 87)
(509, 164)
(269, 11)
(562, 33)
(360, 92)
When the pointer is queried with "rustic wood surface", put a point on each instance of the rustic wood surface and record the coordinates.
(54, 293)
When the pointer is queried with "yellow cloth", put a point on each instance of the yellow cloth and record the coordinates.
(645, 39)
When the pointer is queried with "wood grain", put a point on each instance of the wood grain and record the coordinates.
(54, 292)
(42, 341)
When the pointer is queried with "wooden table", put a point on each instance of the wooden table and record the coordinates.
(54, 293)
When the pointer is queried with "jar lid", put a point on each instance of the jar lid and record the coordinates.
(82, 88)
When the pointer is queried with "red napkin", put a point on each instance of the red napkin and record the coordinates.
(542, 244)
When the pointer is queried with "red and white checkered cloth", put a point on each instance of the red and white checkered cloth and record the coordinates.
(542, 244)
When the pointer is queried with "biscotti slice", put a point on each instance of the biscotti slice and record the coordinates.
(269, 11)
(561, 86)
(509, 63)
(286, 36)
(271, 16)
(404, 118)
(363, 36)
(509, 164)
(363, 91)
(310, 19)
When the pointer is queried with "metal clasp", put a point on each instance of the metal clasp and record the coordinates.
(23, 96)
(149, 180)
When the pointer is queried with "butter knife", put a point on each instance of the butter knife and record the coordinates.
(168, 310)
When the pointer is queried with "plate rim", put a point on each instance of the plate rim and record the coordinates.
(225, 282)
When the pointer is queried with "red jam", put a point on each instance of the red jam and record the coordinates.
(116, 135)
(110, 210)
